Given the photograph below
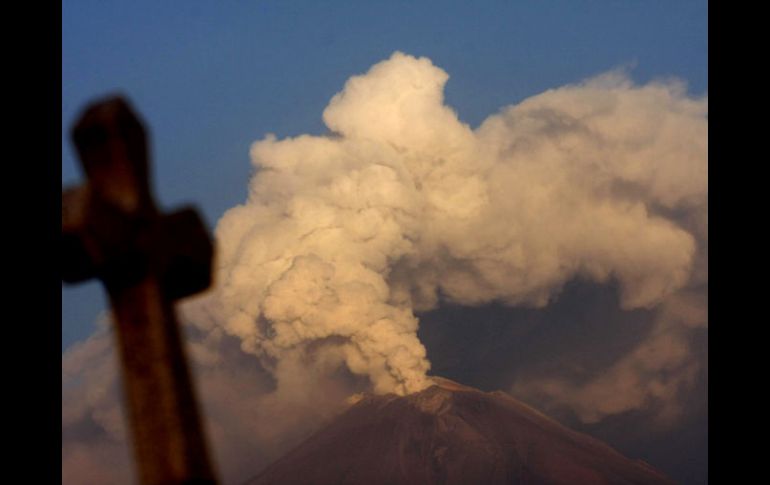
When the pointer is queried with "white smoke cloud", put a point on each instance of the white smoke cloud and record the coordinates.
(345, 236)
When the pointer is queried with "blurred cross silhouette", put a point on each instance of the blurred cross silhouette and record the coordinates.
(112, 230)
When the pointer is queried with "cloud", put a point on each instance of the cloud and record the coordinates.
(655, 376)
(93, 429)
(345, 236)
(251, 416)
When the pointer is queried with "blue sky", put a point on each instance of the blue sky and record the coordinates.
(212, 77)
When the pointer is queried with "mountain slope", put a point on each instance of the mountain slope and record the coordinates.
(451, 434)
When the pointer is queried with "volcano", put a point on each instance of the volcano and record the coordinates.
(454, 435)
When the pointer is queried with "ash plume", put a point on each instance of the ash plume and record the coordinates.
(345, 236)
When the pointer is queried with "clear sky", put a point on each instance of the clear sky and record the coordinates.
(210, 78)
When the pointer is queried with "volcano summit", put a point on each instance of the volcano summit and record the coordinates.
(451, 434)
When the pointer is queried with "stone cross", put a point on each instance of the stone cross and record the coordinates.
(112, 230)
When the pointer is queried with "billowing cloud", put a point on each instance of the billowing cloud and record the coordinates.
(346, 236)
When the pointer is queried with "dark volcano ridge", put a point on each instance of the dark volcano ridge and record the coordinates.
(451, 434)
